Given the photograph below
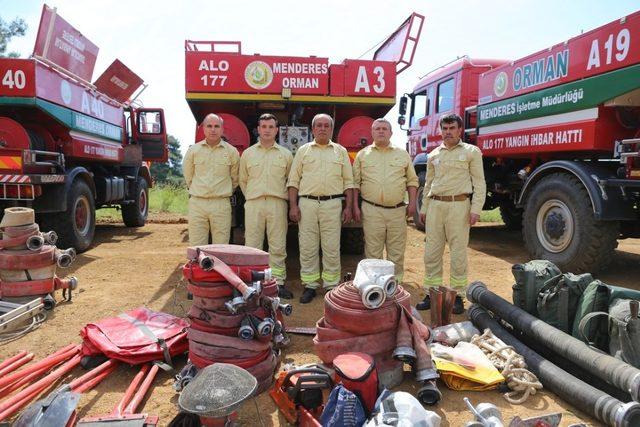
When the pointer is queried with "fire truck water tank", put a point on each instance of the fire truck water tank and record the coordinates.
(355, 133)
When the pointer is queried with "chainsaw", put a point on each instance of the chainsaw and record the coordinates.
(298, 395)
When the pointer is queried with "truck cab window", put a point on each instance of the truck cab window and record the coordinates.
(418, 107)
(445, 96)
(150, 122)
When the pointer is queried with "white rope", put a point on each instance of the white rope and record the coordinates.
(511, 365)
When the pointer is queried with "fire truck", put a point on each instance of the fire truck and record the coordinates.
(559, 131)
(68, 146)
(239, 88)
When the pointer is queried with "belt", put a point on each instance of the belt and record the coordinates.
(383, 206)
(456, 198)
(321, 198)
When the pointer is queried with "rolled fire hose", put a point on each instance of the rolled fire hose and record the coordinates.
(219, 331)
(614, 371)
(580, 394)
(348, 325)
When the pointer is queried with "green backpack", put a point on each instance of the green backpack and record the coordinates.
(530, 278)
(558, 299)
(603, 320)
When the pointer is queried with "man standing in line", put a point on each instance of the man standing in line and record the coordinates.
(264, 168)
(210, 169)
(454, 175)
(383, 174)
(322, 177)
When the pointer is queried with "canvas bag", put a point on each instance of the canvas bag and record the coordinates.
(530, 278)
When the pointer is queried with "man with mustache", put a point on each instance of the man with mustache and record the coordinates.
(454, 175)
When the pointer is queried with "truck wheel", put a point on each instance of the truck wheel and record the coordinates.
(511, 216)
(77, 225)
(559, 226)
(416, 216)
(135, 214)
(352, 241)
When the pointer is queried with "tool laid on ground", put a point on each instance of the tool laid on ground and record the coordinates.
(16, 319)
(216, 393)
(124, 413)
(298, 394)
(15, 403)
(59, 407)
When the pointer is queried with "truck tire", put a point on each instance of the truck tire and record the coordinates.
(511, 216)
(558, 225)
(77, 225)
(352, 241)
(135, 214)
(416, 216)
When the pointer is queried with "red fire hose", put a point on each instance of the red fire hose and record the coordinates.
(228, 311)
(387, 332)
(25, 248)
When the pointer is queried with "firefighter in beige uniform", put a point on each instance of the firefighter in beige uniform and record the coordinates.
(322, 177)
(211, 171)
(264, 168)
(383, 174)
(454, 173)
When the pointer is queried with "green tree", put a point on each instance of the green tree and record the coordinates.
(171, 171)
(8, 30)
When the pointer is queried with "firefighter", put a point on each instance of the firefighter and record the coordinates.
(454, 175)
(211, 171)
(264, 168)
(321, 178)
(382, 175)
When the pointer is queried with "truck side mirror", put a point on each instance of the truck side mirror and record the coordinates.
(402, 108)
(401, 120)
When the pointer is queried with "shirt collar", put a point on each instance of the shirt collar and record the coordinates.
(444, 147)
(330, 144)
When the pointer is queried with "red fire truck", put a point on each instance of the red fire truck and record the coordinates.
(68, 146)
(559, 131)
(239, 88)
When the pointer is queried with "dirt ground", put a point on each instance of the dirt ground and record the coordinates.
(128, 268)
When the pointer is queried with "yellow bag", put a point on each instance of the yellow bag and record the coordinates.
(465, 367)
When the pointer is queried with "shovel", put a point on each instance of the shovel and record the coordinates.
(123, 414)
(58, 408)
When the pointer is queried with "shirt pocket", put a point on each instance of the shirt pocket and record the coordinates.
(254, 169)
(201, 166)
(397, 168)
(310, 165)
(334, 168)
(221, 165)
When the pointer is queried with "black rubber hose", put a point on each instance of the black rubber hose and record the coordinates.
(614, 371)
(583, 396)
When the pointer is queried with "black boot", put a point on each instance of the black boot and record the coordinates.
(425, 304)
(307, 295)
(284, 293)
(458, 305)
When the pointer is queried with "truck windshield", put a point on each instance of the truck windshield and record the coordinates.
(418, 107)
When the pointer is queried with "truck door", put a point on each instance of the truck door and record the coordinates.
(150, 133)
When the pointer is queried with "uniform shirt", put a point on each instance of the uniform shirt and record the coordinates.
(321, 170)
(211, 172)
(454, 171)
(264, 171)
(383, 174)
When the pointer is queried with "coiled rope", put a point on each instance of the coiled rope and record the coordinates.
(511, 365)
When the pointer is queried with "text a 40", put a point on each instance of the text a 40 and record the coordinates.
(14, 78)
(213, 80)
